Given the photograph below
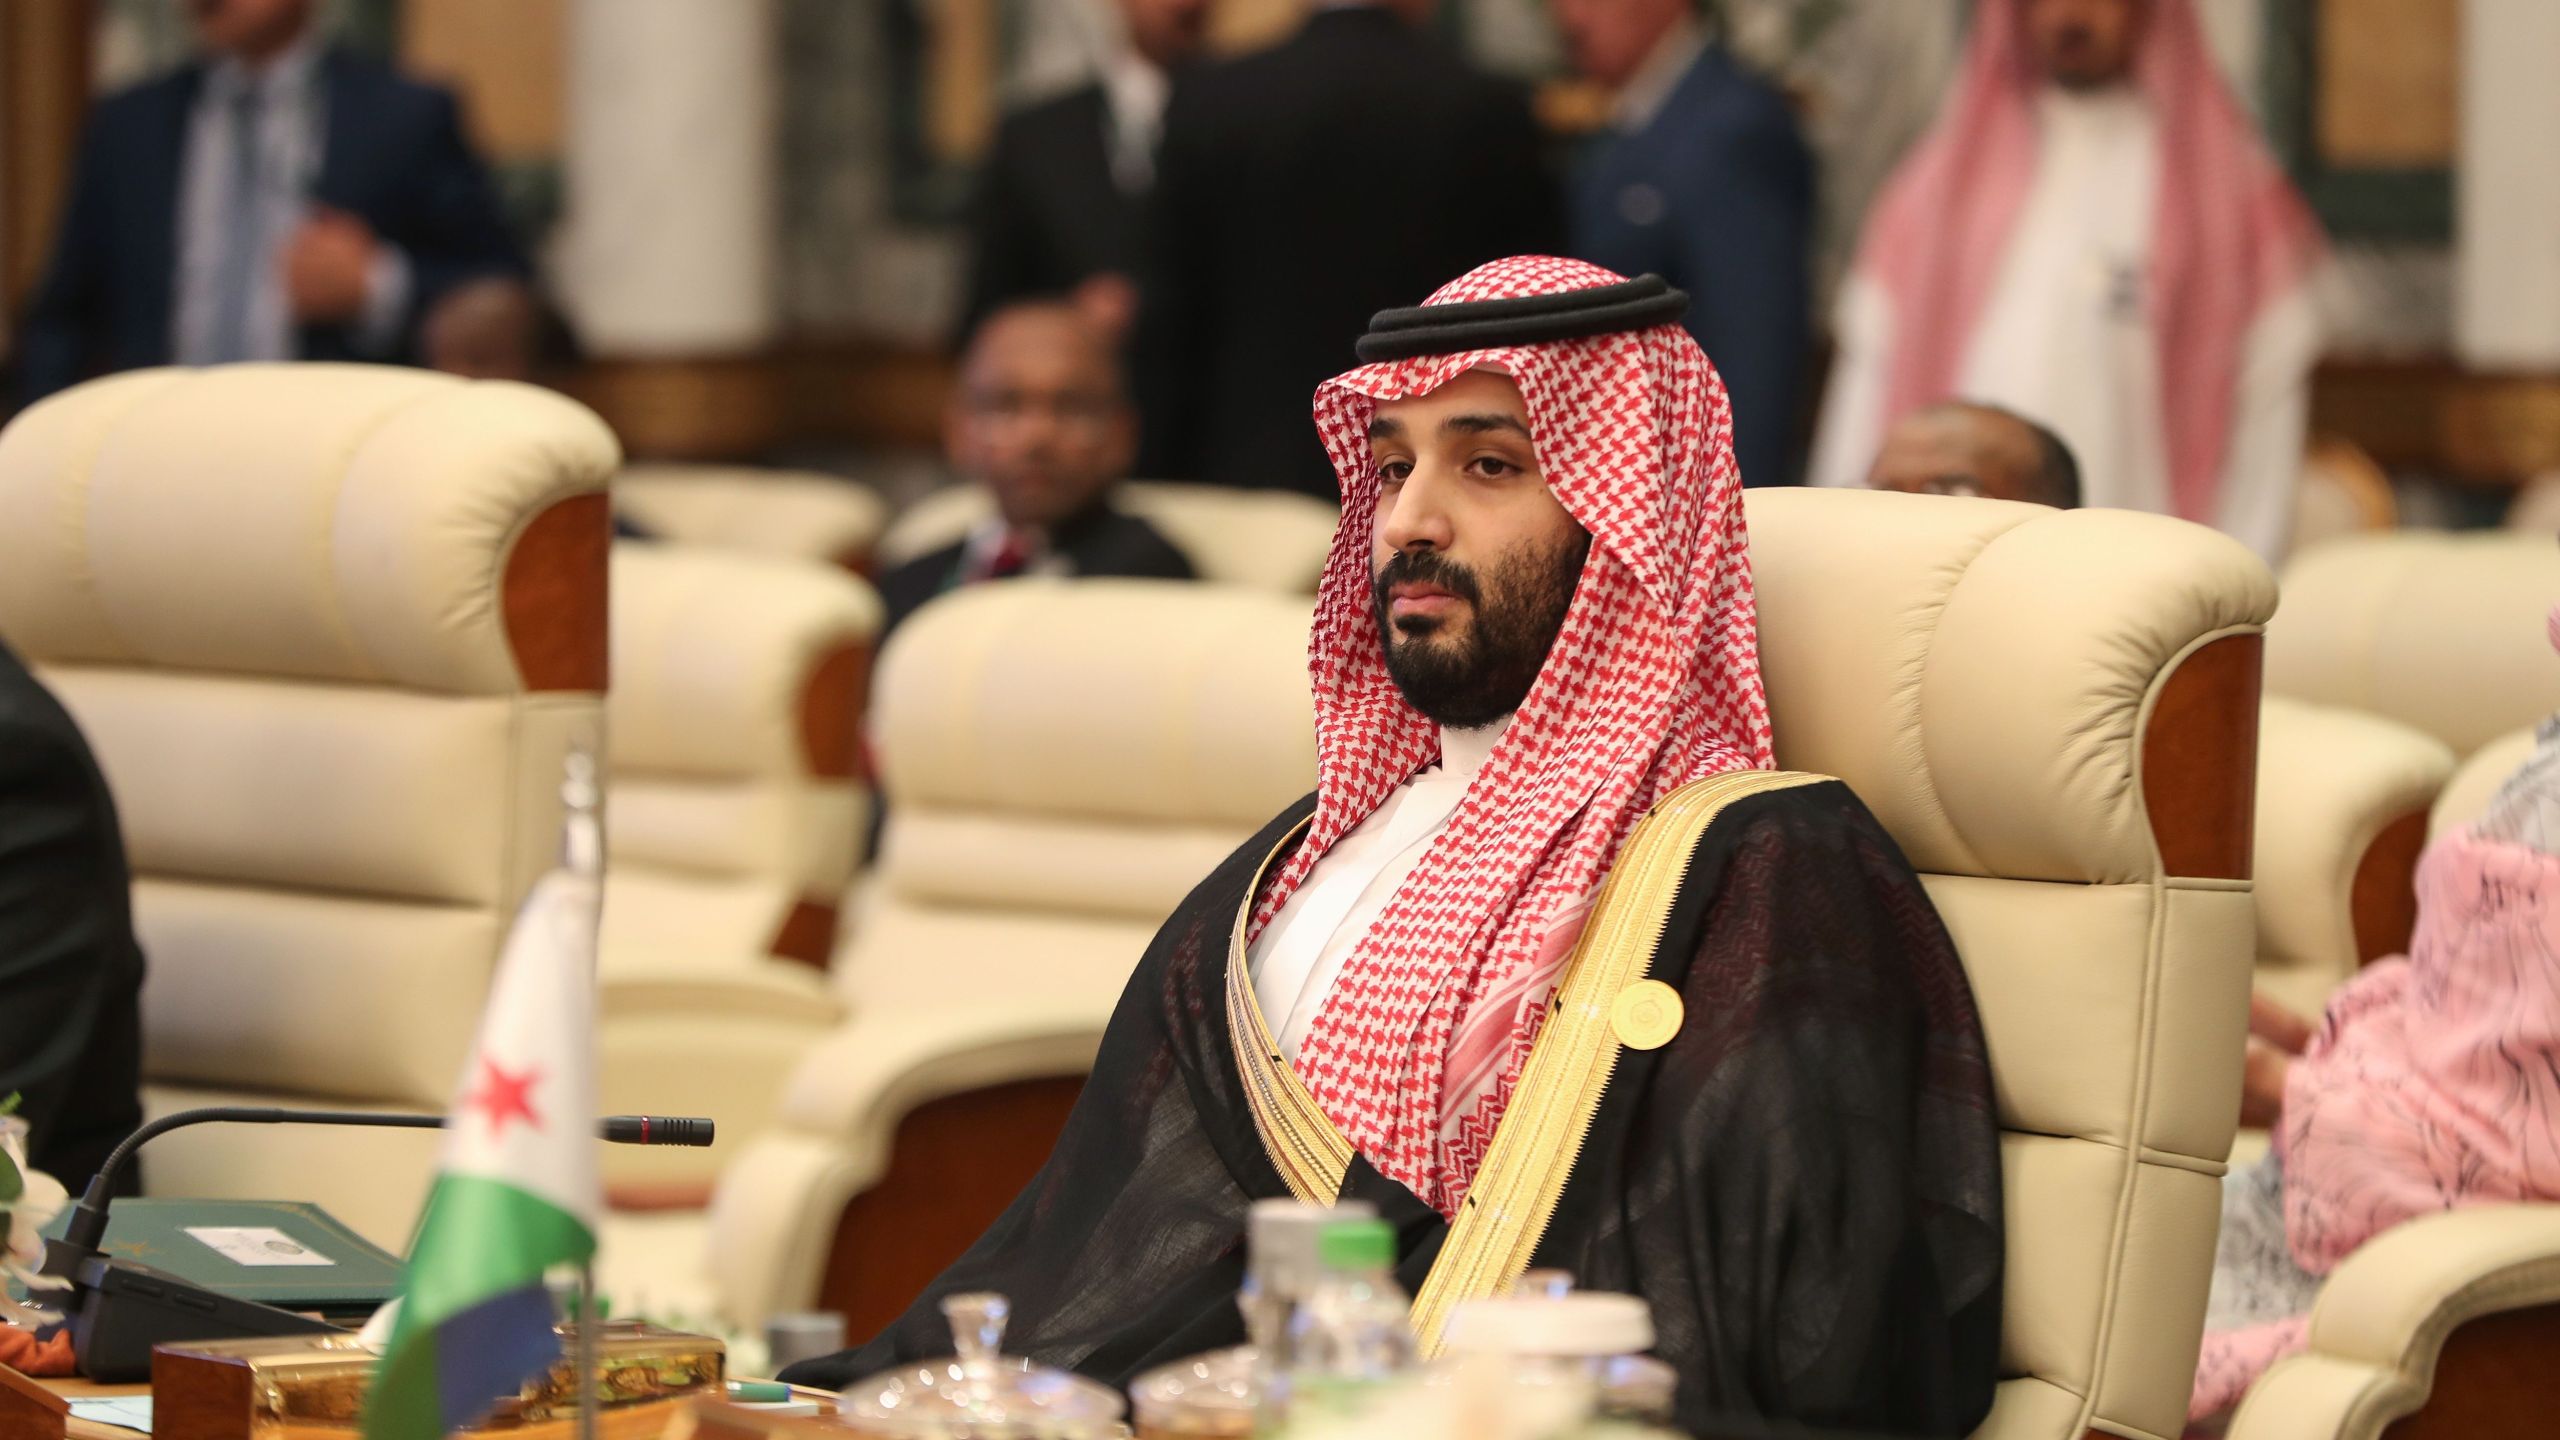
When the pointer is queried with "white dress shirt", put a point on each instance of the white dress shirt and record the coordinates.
(230, 292)
(1300, 954)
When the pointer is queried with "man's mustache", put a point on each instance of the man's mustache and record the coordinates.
(1425, 567)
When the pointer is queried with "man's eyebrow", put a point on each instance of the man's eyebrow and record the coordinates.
(1482, 423)
(1385, 428)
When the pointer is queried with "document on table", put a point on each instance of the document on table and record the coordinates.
(131, 1412)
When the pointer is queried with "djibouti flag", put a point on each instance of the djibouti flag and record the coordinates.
(515, 1191)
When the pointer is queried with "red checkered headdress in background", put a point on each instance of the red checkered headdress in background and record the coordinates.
(1653, 681)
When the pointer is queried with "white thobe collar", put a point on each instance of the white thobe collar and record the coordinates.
(1463, 752)
(1649, 89)
(2092, 111)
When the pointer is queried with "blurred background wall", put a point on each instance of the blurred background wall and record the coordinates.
(746, 209)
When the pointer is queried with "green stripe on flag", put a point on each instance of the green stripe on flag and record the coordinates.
(480, 1237)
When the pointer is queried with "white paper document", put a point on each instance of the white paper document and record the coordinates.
(257, 1245)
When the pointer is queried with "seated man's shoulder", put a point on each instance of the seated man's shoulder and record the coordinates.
(114, 114)
(1114, 542)
(906, 586)
(1024, 123)
(1813, 821)
(1727, 104)
(397, 93)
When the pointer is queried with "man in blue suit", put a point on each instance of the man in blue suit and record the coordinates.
(275, 200)
(1704, 180)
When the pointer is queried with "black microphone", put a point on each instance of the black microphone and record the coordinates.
(122, 1309)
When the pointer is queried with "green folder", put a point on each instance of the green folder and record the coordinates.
(284, 1253)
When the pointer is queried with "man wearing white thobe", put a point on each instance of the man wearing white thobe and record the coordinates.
(2093, 237)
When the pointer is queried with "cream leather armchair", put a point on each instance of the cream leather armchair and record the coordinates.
(735, 807)
(2444, 1328)
(2443, 632)
(1063, 760)
(331, 631)
(2342, 807)
(2054, 713)
(791, 514)
(1266, 539)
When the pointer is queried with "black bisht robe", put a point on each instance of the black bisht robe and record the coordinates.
(1804, 1183)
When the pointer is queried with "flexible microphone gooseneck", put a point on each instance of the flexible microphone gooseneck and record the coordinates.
(122, 1309)
(88, 1224)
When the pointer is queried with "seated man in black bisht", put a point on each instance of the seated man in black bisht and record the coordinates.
(1553, 967)
(1042, 418)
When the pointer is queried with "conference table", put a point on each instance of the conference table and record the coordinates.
(22, 1417)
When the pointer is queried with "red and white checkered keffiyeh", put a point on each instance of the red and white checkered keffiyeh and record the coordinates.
(1653, 681)
(2229, 234)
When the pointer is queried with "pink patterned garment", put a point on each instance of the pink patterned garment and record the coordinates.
(1653, 681)
(2434, 1082)
(2229, 235)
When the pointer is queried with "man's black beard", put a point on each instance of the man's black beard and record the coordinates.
(1474, 682)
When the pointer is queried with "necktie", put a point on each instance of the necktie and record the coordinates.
(242, 251)
(1009, 558)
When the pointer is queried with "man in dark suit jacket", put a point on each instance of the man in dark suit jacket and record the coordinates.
(1063, 190)
(277, 200)
(1351, 169)
(70, 972)
(1706, 181)
(1042, 420)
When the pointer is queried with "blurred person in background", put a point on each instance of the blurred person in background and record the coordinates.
(1042, 419)
(496, 327)
(1063, 191)
(2432, 1083)
(70, 969)
(277, 199)
(1959, 447)
(2093, 233)
(1299, 191)
(1704, 179)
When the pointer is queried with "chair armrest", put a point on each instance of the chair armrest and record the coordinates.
(2341, 816)
(782, 1204)
(2469, 1298)
(856, 1085)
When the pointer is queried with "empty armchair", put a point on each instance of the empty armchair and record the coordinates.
(331, 631)
(789, 514)
(2442, 632)
(1063, 761)
(735, 808)
(737, 794)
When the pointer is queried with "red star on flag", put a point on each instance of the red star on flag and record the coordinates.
(503, 1096)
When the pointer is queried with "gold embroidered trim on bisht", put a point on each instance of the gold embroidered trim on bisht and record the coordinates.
(1311, 1156)
(1542, 1132)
